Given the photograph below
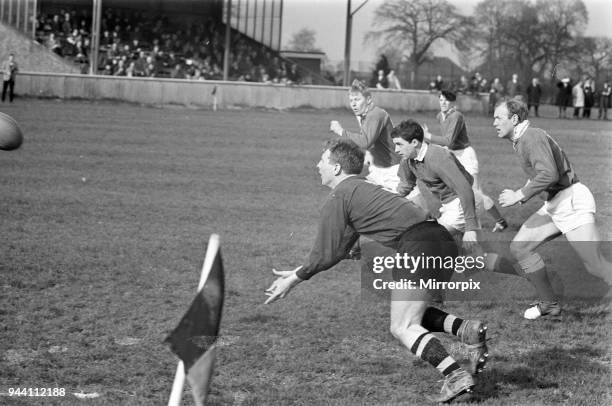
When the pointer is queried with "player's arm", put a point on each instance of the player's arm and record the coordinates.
(453, 125)
(407, 178)
(335, 237)
(371, 128)
(454, 178)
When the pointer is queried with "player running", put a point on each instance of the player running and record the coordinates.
(440, 171)
(442, 174)
(374, 137)
(569, 208)
(358, 207)
(454, 137)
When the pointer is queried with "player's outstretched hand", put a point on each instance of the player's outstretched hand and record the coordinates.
(510, 197)
(335, 127)
(282, 285)
(426, 132)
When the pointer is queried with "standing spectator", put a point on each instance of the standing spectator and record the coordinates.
(439, 83)
(383, 64)
(381, 80)
(495, 94)
(578, 98)
(513, 87)
(534, 92)
(475, 82)
(604, 101)
(564, 96)
(589, 101)
(293, 76)
(484, 86)
(54, 45)
(9, 69)
(463, 85)
(393, 80)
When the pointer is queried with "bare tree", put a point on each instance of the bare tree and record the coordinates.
(594, 57)
(415, 25)
(527, 37)
(304, 40)
(562, 21)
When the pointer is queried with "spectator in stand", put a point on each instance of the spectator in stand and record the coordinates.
(604, 101)
(177, 72)
(54, 44)
(129, 72)
(150, 69)
(56, 24)
(578, 98)
(108, 70)
(120, 70)
(439, 83)
(589, 101)
(140, 65)
(106, 40)
(513, 87)
(534, 93)
(67, 24)
(564, 96)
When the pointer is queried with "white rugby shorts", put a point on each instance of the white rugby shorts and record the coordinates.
(385, 177)
(452, 216)
(570, 208)
(468, 159)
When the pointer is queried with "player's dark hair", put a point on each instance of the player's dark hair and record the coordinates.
(346, 153)
(449, 95)
(359, 87)
(516, 106)
(408, 130)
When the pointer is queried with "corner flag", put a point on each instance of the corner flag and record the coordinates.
(194, 338)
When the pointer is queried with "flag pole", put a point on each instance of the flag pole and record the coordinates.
(179, 377)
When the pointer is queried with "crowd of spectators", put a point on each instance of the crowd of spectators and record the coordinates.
(582, 96)
(133, 43)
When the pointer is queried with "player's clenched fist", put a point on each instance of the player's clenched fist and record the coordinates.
(510, 197)
(335, 127)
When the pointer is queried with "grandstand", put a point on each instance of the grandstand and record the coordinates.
(154, 38)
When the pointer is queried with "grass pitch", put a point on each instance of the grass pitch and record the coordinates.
(105, 213)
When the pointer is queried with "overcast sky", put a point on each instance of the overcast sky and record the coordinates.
(328, 19)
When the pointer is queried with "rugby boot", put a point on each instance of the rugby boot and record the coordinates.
(501, 225)
(455, 384)
(473, 333)
(539, 309)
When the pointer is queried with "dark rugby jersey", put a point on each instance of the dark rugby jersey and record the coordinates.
(545, 163)
(375, 136)
(355, 207)
(454, 132)
(444, 176)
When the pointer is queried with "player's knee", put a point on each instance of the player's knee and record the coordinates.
(520, 250)
(399, 327)
(487, 202)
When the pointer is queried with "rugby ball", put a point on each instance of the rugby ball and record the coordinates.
(10, 133)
